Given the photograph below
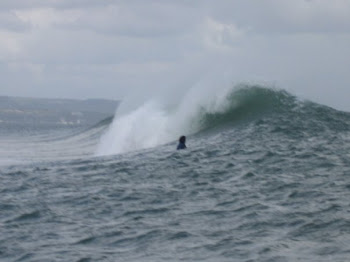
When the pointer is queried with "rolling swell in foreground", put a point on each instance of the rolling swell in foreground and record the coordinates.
(265, 177)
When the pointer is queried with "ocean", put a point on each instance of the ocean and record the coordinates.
(265, 177)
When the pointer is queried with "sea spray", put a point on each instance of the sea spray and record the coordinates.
(144, 127)
(156, 122)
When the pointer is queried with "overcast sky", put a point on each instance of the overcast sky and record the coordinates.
(112, 48)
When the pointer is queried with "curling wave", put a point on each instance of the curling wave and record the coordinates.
(153, 124)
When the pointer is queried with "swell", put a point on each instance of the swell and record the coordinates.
(91, 132)
(52, 145)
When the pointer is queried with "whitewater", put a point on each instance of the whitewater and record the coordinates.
(265, 177)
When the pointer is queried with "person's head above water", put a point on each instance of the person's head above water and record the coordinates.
(182, 139)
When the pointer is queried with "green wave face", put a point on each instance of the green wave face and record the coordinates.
(246, 103)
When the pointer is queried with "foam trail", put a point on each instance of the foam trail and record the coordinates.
(154, 123)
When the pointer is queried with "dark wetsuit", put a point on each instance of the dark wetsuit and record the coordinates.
(181, 146)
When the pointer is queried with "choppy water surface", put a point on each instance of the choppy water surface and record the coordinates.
(272, 187)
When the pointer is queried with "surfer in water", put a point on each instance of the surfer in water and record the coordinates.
(182, 141)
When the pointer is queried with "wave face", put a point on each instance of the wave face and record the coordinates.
(153, 124)
(245, 104)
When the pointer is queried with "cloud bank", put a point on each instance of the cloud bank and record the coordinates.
(116, 49)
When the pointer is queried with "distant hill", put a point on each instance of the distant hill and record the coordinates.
(53, 112)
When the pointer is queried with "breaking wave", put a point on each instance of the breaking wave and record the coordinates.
(153, 124)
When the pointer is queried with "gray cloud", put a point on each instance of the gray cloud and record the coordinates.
(30, 4)
(286, 17)
(10, 22)
(107, 49)
(134, 21)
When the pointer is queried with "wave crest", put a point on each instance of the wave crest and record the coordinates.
(153, 124)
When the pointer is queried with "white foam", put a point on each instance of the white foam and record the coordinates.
(154, 123)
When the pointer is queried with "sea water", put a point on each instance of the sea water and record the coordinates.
(265, 177)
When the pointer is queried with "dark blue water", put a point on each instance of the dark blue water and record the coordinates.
(266, 181)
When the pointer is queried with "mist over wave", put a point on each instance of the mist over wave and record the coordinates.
(155, 122)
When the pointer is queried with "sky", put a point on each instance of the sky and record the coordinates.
(117, 49)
